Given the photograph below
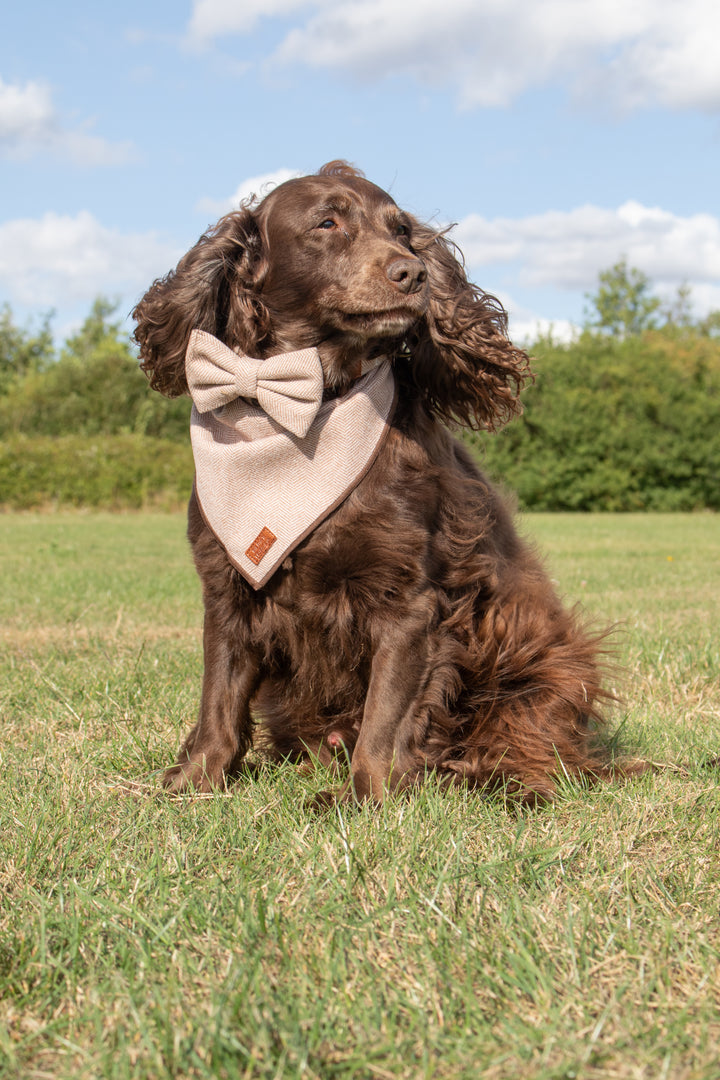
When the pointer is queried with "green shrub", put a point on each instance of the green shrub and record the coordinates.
(119, 471)
(615, 425)
(23, 349)
(106, 393)
(615, 421)
(93, 387)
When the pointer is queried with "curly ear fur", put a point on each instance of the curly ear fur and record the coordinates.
(463, 362)
(211, 289)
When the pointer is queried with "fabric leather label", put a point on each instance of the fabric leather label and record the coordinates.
(261, 545)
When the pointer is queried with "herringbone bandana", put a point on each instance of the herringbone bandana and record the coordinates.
(269, 470)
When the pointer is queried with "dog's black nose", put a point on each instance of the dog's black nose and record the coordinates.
(409, 275)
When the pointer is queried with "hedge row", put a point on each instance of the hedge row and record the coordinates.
(105, 393)
(616, 426)
(608, 425)
(111, 471)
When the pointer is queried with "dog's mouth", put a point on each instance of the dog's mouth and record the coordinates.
(391, 321)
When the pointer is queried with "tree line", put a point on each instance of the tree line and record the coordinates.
(626, 416)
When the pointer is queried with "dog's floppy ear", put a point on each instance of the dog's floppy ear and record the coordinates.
(213, 288)
(463, 362)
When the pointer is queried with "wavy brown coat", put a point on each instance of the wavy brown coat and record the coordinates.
(413, 630)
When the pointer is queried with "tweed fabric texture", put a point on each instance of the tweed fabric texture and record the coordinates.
(288, 387)
(262, 489)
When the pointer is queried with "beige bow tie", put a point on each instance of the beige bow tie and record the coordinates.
(288, 387)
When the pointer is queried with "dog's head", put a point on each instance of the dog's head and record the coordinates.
(331, 261)
(341, 269)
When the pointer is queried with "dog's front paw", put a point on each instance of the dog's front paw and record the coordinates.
(321, 802)
(191, 775)
(347, 795)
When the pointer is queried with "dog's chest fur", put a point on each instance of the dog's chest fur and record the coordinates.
(317, 622)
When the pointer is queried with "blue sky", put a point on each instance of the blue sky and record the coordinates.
(559, 135)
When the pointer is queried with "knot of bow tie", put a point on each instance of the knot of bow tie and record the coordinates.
(288, 387)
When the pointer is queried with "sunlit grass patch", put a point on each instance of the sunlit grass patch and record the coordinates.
(442, 935)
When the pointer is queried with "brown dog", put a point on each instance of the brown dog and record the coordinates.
(411, 629)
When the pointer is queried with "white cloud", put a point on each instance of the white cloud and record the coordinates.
(61, 260)
(256, 185)
(625, 55)
(56, 260)
(25, 111)
(674, 62)
(214, 18)
(568, 249)
(525, 325)
(525, 328)
(30, 123)
(706, 297)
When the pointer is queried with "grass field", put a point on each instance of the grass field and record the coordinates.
(441, 936)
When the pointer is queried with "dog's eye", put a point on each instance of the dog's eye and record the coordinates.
(328, 223)
(402, 230)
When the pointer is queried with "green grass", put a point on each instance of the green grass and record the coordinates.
(441, 936)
